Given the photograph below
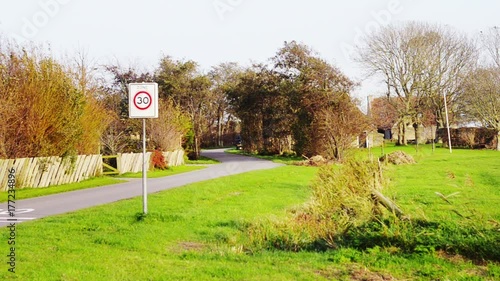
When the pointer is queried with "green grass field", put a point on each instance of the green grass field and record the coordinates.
(163, 173)
(471, 177)
(202, 161)
(283, 159)
(198, 232)
(25, 193)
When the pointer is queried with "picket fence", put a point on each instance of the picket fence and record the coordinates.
(40, 172)
(132, 162)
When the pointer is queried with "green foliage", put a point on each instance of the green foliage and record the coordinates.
(473, 240)
(43, 112)
(285, 158)
(292, 106)
(182, 82)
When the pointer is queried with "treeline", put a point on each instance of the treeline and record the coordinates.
(434, 75)
(296, 102)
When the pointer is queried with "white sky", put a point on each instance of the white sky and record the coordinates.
(215, 31)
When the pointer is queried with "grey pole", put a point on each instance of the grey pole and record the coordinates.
(447, 121)
(144, 170)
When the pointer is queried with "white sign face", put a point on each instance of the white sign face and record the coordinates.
(143, 100)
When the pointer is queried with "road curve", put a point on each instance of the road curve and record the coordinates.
(35, 208)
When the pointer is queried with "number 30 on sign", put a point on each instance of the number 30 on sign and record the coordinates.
(143, 100)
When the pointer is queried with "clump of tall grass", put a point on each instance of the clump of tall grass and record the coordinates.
(341, 199)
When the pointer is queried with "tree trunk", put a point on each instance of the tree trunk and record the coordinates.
(196, 148)
(402, 133)
(498, 140)
(417, 132)
(219, 131)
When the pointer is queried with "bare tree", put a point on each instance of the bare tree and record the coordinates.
(481, 98)
(421, 65)
(169, 128)
(491, 43)
(393, 53)
(449, 56)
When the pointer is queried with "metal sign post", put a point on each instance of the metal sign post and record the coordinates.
(143, 103)
(144, 170)
(447, 121)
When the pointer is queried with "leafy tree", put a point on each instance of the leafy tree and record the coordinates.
(382, 114)
(224, 78)
(190, 90)
(263, 110)
(318, 94)
(95, 118)
(301, 104)
(340, 121)
(44, 112)
(114, 97)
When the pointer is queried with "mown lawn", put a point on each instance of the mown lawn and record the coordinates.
(163, 173)
(471, 177)
(198, 232)
(25, 193)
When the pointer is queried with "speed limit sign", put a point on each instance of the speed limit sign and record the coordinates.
(143, 100)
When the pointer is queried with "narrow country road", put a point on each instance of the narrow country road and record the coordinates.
(35, 208)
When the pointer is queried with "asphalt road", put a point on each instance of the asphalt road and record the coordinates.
(35, 208)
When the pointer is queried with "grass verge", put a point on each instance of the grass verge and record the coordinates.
(282, 159)
(163, 173)
(203, 160)
(25, 193)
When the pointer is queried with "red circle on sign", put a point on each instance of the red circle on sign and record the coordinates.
(140, 105)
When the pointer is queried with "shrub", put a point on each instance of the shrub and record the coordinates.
(158, 160)
(341, 199)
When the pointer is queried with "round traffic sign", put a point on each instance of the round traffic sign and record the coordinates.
(142, 100)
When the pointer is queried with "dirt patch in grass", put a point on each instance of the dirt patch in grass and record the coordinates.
(365, 275)
(398, 158)
(189, 246)
(353, 272)
(459, 259)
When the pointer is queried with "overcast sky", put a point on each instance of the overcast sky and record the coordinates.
(215, 31)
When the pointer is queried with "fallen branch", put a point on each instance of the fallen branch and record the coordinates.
(387, 203)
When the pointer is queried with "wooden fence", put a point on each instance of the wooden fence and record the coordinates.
(132, 162)
(49, 171)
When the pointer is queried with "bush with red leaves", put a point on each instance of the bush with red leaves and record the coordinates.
(159, 160)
